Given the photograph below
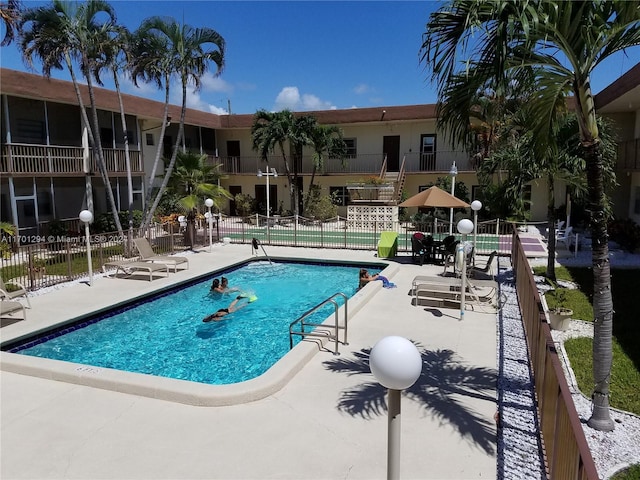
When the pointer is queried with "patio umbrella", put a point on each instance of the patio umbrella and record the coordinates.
(434, 197)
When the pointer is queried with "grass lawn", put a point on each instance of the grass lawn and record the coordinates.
(625, 374)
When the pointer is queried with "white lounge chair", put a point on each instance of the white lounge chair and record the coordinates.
(565, 237)
(7, 307)
(477, 291)
(129, 268)
(19, 291)
(147, 255)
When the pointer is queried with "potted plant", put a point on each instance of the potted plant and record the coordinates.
(559, 313)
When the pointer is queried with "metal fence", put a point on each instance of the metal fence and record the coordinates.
(567, 453)
(47, 263)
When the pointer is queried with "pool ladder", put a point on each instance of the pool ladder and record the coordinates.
(328, 331)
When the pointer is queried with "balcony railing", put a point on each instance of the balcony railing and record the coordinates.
(366, 164)
(30, 159)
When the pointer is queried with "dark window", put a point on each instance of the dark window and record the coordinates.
(352, 147)
(427, 153)
(30, 131)
(340, 195)
(106, 137)
(149, 138)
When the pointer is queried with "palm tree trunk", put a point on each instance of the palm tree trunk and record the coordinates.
(100, 156)
(551, 231)
(174, 155)
(85, 121)
(289, 178)
(149, 185)
(602, 300)
(127, 158)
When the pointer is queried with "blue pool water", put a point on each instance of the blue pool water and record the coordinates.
(166, 336)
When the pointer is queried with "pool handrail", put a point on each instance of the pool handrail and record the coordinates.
(337, 327)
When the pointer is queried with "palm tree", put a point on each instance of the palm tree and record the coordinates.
(10, 13)
(63, 33)
(113, 54)
(271, 129)
(564, 42)
(326, 141)
(275, 129)
(187, 53)
(149, 62)
(194, 181)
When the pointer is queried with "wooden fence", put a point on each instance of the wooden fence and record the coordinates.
(567, 453)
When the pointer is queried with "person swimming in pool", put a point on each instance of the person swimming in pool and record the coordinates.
(216, 286)
(223, 312)
(225, 286)
(366, 277)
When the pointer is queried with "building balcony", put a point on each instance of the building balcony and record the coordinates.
(365, 164)
(22, 159)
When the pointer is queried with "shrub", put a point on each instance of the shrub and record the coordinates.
(625, 233)
(104, 221)
(245, 204)
(322, 207)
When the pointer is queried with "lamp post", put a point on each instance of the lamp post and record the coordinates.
(396, 364)
(476, 205)
(453, 172)
(465, 226)
(209, 203)
(269, 173)
(87, 217)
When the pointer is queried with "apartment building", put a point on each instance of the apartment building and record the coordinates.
(48, 171)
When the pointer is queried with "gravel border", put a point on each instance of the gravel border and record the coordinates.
(519, 450)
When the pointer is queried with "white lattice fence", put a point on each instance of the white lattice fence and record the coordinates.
(371, 216)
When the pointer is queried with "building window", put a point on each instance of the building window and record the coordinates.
(30, 131)
(352, 147)
(149, 138)
(427, 153)
(339, 195)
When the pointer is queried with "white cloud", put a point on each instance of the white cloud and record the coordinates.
(290, 98)
(209, 83)
(362, 89)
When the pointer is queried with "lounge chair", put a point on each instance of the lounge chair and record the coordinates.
(486, 271)
(478, 291)
(129, 268)
(147, 255)
(8, 307)
(565, 237)
(16, 293)
(388, 245)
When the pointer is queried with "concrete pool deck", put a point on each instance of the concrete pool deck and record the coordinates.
(328, 421)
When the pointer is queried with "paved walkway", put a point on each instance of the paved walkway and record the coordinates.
(328, 421)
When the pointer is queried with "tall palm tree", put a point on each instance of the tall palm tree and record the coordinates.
(10, 12)
(64, 33)
(271, 129)
(564, 42)
(187, 54)
(150, 63)
(112, 53)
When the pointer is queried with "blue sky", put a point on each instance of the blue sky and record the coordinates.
(306, 55)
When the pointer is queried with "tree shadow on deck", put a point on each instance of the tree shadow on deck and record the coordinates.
(443, 379)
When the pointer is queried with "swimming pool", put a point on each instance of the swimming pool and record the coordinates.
(165, 335)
